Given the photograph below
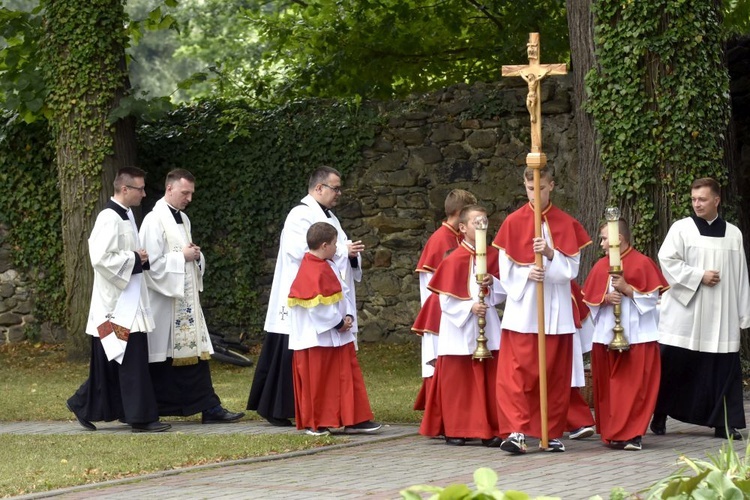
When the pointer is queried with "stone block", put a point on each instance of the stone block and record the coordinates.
(382, 258)
(389, 162)
(482, 139)
(446, 132)
(456, 151)
(410, 136)
(428, 154)
(16, 333)
(10, 319)
(7, 289)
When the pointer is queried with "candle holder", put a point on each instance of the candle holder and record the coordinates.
(612, 214)
(480, 243)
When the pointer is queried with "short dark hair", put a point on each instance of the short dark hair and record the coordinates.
(708, 182)
(126, 174)
(320, 176)
(319, 233)
(463, 218)
(544, 172)
(458, 199)
(177, 174)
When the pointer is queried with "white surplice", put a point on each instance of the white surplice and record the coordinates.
(292, 247)
(698, 317)
(174, 288)
(113, 244)
(520, 305)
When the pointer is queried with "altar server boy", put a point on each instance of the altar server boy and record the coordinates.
(329, 390)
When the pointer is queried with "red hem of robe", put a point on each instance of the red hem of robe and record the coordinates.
(626, 385)
(461, 399)
(579, 412)
(518, 383)
(329, 390)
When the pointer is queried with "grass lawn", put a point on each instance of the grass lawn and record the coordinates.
(36, 380)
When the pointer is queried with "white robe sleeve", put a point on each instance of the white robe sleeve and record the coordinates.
(167, 268)
(113, 263)
(683, 279)
(514, 277)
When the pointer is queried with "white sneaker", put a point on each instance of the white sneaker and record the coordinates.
(515, 443)
(553, 445)
(582, 432)
(321, 431)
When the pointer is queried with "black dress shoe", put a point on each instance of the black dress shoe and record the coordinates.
(659, 424)
(724, 433)
(279, 422)
(156, 426)
(86, 424)
(220, 415)
(495, 442)
(455, 441)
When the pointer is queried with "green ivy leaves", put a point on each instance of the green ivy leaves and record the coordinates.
(660, 101)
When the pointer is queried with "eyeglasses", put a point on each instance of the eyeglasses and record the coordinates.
(142, 189)
(336, 189)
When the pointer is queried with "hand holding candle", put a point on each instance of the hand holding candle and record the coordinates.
(480, 243)
(613, 235)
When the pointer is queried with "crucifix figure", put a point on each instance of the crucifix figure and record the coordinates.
(283, 313)
(533, 73)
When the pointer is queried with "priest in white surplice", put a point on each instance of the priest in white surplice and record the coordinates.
(179, 346)
(272, 391)
(703, 259)
(119, 384)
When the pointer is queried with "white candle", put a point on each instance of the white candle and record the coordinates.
(480, 243)
(613, 237)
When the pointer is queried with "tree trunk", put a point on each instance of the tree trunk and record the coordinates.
(85, 71)
(590, 172)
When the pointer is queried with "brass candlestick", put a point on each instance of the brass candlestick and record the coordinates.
(619, 342)
(481, 352)
(612, 214)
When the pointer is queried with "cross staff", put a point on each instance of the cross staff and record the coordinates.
(533, 73)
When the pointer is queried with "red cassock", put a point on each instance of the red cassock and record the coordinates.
(444, 240)
(626, 384)
(460, 401)
(518, 369)
(329, 389)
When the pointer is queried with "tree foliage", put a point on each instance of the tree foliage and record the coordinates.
(373, 48)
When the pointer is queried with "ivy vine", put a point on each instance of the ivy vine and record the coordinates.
(661, 104)
(251, 168)
(84, 68)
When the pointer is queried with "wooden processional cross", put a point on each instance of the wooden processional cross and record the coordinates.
(533, 73)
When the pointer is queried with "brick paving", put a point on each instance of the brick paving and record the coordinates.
(379, 466)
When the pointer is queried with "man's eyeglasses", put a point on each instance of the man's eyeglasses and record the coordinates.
(141, 189)
(336, 189)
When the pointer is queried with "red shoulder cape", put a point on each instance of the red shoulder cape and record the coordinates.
(517, 232)
(638, 270)
(316, 283)
(442, 241)
(453, 274)
(580, 310)
(428, 319)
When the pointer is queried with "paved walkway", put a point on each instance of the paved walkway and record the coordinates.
(379, 466)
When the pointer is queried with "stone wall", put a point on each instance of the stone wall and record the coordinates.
(470, 137)
(15, 298)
